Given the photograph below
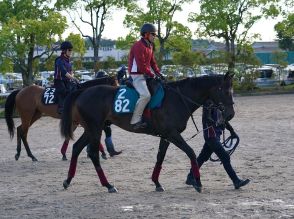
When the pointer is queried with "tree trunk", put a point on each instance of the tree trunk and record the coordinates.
(161, 52)
(231, 58)
(96, 57)
(29, 72)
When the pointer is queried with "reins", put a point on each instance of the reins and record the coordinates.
(184, 100)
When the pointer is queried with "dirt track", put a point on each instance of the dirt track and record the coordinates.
(265, 155)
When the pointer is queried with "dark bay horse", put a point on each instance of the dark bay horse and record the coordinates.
(28, 104)
(94, 106)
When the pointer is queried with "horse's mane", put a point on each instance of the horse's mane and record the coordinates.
(200, 82)
(110, 80)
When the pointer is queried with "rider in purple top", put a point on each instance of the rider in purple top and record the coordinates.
(63, 74)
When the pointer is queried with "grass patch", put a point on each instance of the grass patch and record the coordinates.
(267, 90)
(1, 113)
(2, 102)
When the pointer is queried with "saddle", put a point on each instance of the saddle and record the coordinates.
(126, 97)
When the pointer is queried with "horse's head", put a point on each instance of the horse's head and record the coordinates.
(222, 94)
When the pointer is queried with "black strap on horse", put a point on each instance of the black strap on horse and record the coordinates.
(185, 99)
(229, 144)
(191, 114)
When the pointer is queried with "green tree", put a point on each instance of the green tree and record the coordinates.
(6, 65)
(285, 32)
(188, 58)
(50, 63)
(109, 63)
(280, 58)
(231, 20)
(79, 49)
(25, 26)
(98, 12)
(161, 14)
(246, 59)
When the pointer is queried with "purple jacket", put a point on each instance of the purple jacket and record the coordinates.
(62, 66)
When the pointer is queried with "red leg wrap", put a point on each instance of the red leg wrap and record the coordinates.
(72, 167)
(64, 147)
(101, 148)
(102, 177)
(195, 169)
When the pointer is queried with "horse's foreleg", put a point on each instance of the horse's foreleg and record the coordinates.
(178, 140)
(76, 150)
(18, 147)
(94, 155)
(26, 123)
(163, 145)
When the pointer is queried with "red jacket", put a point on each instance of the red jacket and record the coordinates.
(141, 59)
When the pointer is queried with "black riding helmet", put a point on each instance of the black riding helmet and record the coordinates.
(147, 28)
(100, 74)
(66, 45)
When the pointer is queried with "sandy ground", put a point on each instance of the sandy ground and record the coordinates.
(265, 155)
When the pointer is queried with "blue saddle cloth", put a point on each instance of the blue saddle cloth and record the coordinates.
(126, 98)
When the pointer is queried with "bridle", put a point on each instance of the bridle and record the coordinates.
(229, 144)
(186, 99)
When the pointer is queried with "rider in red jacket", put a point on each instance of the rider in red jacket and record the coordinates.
(141, 61)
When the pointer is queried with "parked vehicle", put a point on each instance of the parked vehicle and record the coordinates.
(12, 80)
(2, 89)
(265, 77)
(3, 80)
(85, 78)
(290, 75)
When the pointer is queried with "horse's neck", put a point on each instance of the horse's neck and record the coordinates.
(194, 96)
(95, 82)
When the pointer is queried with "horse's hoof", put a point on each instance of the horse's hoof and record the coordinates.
(34, 159)
(198, 185)
(104, 156)
(16, 156)
(65, 184)
(159, 189)
(64, 158)
(198, 189)
(112, 190)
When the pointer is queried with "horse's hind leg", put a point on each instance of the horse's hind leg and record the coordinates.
(163, 145)
(23, 136)
(94, 155)
(78, 146)
(64, 147)
(178, 140)
(18, 147)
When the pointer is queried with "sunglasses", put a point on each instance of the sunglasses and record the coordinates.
(69, 50)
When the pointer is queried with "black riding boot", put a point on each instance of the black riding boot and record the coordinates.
(60, 104)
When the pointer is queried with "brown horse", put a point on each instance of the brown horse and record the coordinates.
(28, 103)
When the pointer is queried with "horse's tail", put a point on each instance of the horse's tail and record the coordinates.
(9, 109)
(66, 123)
